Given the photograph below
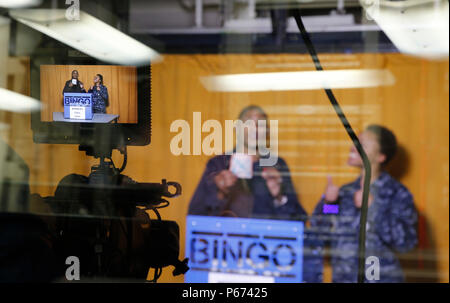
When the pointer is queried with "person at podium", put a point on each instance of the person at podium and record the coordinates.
(74, 85)
(391, 218)
(268, 194)
(100, 99)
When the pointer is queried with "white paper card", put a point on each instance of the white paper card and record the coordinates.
(242, 166)
(77, 112)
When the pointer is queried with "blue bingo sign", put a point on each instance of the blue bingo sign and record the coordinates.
(235, 250)
(78, 106)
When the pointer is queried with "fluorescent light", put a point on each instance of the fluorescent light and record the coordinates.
(88, 35)
(14, 102)
(308, 80)
(416, 27)
(19, 3)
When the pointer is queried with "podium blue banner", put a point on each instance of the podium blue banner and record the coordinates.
(233, 250)
(78, 106)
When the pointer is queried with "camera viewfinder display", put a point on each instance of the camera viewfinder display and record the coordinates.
(89, 93)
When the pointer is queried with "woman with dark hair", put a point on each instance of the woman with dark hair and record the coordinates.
(392, 216)
(74, 85)
(100, 99)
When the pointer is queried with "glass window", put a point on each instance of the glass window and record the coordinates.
(224, 141)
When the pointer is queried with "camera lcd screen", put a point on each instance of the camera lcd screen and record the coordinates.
(89, 93)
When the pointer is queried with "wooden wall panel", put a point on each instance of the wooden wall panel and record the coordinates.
(312, 142)
(121, 82)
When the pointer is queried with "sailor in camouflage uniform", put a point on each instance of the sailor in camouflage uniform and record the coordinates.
(392, 216)
(99, 95)
(256, 197)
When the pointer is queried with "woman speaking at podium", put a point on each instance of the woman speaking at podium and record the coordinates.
(99, 95)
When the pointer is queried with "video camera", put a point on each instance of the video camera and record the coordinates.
(103, 219)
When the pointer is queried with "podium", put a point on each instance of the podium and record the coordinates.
(234, 250)
(78, 106)
(96, 118)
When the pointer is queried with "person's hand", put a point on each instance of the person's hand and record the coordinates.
(273, 180)
(224, 180)
(98, 87)
(331, 191)
(70, 84)
(358, 196)
(81, 85)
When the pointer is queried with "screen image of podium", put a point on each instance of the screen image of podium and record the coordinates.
(79, 105)
(242, 250)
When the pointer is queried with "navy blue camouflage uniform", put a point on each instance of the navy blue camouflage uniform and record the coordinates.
(391, 229)
(257, 202)
(99, 99)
